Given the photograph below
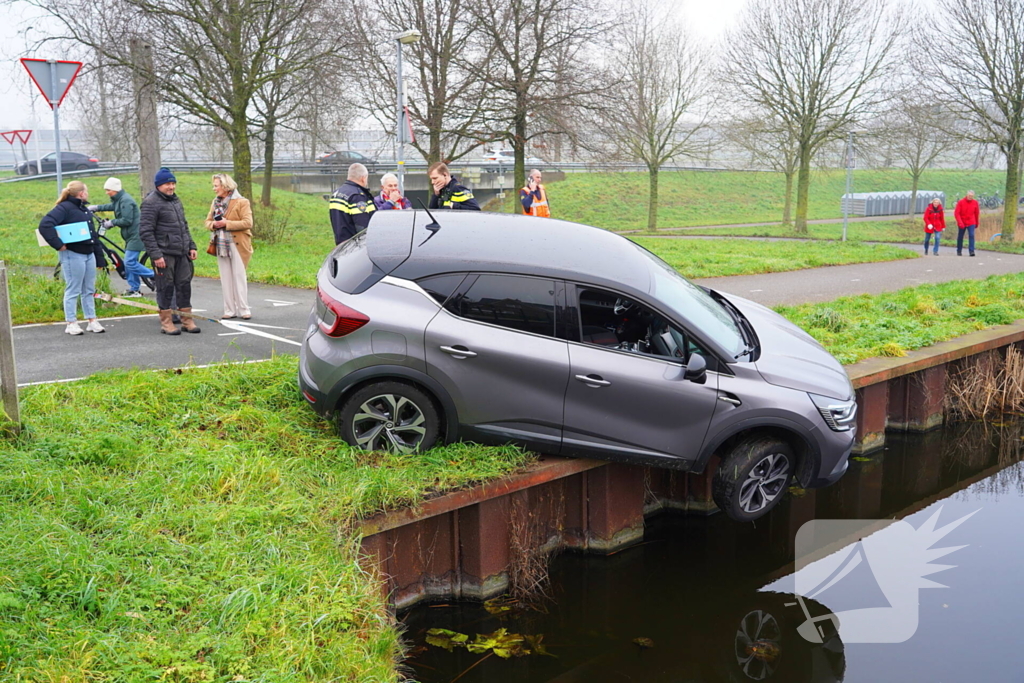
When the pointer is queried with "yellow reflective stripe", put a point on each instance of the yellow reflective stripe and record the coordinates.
(339, 204)
(462, 196)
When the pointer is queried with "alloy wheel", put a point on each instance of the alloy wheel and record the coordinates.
(389, 422)
(757, 645)
(765, 482)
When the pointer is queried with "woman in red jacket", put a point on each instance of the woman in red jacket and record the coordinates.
(934, 224)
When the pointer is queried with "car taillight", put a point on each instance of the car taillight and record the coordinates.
(346, 320)
(94, 160)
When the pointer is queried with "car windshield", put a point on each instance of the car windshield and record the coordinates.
(696, 305)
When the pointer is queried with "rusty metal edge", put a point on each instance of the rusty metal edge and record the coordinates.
(876, 370)
(550, 468)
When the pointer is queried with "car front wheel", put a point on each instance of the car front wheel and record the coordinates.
(753, 477)
(390, 416)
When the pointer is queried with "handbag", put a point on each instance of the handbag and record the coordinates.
(211, 248)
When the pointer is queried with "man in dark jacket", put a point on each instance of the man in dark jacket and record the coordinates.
(448, 193)
(352, 205)
(126, 217)
(165, 233)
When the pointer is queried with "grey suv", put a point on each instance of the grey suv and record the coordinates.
(569, 340)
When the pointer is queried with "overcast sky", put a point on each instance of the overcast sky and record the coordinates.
(705, 19)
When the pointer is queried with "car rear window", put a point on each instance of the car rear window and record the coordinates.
(349, 266)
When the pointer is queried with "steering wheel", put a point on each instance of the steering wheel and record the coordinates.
(622, 306)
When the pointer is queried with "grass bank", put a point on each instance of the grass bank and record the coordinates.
(890, 324)
(198, 526)
(618, 201)
(714, 258)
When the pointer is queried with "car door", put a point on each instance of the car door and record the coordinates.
(493, 348)
(50, 163)
(628, 398)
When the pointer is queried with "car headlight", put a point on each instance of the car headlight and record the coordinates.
(838, 415)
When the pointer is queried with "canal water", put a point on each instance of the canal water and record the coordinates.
(707, 599)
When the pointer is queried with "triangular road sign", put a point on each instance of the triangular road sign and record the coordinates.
(39, 70)
(8, 136)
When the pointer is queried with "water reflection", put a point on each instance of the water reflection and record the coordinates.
(689, 604)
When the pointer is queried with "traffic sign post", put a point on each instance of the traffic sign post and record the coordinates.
(53, 78)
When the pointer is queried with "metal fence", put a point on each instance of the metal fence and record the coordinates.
(887, 203)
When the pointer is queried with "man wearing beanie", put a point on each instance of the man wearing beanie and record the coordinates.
(126, 217)
(165, 233)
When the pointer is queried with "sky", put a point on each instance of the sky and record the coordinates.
(22, 25)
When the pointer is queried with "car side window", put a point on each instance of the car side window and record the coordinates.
(525, 304)
(616, 322)
(440, 287)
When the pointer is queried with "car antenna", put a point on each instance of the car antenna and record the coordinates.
(433, 226)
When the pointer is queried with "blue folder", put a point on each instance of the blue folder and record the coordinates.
(73, 232)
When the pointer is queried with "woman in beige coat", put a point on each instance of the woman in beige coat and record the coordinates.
(230, 220)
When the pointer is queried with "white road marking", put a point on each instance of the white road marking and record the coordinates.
(230, 334)
(757, 290)
(102, 320)
(277, 303)
(856, 279)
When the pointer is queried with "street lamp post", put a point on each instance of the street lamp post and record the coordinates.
(849, 182)
(405, 38)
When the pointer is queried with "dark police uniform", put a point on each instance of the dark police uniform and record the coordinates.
(351, 208)
(454, 196)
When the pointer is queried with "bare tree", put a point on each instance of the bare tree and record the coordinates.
(209, 61)
(979, 69)
(446, 101)
(913, 131)
(654, 116)
(813, 65)
(771, 144)
(532, 40)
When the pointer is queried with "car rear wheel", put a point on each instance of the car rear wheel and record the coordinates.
(753, 477)
(390, 416)
(82, 167)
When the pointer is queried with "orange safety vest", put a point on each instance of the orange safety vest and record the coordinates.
(540, 207)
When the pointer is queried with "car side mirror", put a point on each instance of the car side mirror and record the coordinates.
(696, 369)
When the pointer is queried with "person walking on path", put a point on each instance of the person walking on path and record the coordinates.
(78, 260)
(165, 233)
(126, 217)
(966, 214)
(448, 193)
(934, 224)
(534, 197)
(230, 221)
(390, 196)
(352, 205)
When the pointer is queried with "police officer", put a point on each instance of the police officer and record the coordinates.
(352, 204)
(448, 193)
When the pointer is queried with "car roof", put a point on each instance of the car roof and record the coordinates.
(400, 244)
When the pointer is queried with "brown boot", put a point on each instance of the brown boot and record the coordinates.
(187, 323)
(166, 326)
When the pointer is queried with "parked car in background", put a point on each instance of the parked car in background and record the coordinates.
(69, 161)
(505, 158)
(342, 159)
(569, 340)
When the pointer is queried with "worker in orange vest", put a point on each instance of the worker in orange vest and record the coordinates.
(534, 197)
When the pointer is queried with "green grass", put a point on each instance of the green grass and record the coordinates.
(890, 324)
(618, 201)
(37, 298)
(712, 258)
(199, 526)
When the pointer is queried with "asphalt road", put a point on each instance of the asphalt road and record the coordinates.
(44, 353)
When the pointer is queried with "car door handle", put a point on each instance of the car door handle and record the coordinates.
(458, 351)
(593, 380)
(730, 399)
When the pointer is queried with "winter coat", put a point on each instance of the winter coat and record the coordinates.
(454, 196)
(934, 218)
(126, 217)
(384, 204)
(351, 208)
(238, 218)
(163, 227)
(72, 210)
(966, 212)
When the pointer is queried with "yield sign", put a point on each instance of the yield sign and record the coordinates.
(39, 70)
(21, 136)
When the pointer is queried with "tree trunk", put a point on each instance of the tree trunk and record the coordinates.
(787, 204)
(803, 187)
(268, 162)
(1013, 160)
(241, 155)
(519, 149)
(652, 202)
(147, 125)
(915, 181)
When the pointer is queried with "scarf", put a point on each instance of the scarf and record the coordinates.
(221, 237)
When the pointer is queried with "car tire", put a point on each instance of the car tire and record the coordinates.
(753, 477)
(390, 416)
(82, 167)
